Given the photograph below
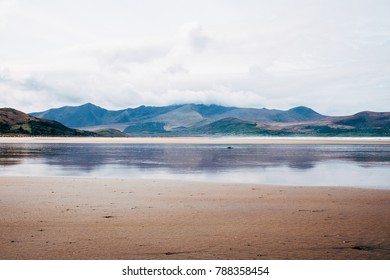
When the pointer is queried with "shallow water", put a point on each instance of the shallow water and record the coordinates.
(306, 165)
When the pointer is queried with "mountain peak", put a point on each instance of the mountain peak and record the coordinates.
(87, 114)
(301, 109)
(89, 105)
(305, 112)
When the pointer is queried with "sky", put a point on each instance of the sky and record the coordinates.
(332, 56)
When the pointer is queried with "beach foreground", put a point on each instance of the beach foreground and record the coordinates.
(94, 218)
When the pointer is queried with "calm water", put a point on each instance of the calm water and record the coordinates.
(318, 165)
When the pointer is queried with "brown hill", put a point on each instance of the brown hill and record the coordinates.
(16, 122)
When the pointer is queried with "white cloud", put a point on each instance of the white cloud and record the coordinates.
(119, 57)
(176, 69)
(192, 35)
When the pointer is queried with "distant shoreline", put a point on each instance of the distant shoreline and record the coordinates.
(198, 140)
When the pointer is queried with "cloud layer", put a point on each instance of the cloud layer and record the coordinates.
(333, 56)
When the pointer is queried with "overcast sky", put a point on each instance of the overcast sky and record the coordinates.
(331, 55)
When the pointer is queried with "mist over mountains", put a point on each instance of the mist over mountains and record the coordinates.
(200, 119)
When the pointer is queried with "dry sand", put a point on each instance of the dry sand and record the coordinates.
(87, 218)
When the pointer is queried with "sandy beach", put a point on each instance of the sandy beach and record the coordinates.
(94, 218)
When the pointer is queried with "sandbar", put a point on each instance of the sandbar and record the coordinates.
(198, 140)
(114, 219)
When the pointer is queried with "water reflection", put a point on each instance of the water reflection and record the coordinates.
(206, 161)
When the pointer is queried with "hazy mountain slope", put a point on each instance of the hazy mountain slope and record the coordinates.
(227, 126)
(75, 116)
(266, 115)
(209, 111)
(90, 115)
(184, 116)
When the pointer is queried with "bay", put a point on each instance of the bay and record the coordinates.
(354, 165)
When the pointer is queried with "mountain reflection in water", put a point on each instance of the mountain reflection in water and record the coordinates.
(85, 159)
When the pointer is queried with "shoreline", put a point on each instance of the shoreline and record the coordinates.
(95, 218)
(198, 140)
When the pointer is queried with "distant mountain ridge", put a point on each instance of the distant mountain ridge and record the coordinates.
(88, 115)
(200, 119)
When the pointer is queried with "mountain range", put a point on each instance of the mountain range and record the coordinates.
(200, 119)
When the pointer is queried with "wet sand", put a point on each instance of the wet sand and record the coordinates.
(197, 140)
(94, 218)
